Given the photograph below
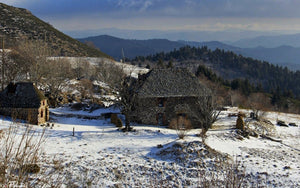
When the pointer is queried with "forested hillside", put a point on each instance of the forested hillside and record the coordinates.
(230, 66)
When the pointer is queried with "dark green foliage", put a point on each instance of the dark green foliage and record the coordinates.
(242, 85)
(209, 74)
(257, 75)
(170, 64)
(160, 64)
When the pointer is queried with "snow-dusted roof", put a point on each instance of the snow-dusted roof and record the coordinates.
(21, 95)
(171, 83)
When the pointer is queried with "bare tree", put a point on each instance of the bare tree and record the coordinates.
(35, 54)
(55, 74)
(110, 73)
(81, 69)
(259, 103)
(127, 96)
(205, 111)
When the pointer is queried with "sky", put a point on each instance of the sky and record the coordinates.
(281, 16)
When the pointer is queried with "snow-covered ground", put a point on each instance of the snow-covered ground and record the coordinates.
(102, 156)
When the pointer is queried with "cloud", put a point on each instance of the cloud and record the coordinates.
(165, 14)
(180, 8)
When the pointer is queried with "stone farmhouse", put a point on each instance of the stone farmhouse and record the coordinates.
(165, 95)
(24, 101)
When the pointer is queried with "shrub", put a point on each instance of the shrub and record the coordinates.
(240, 122)
(113, 118)
(181, 125)
(116, 121)
(119, 123)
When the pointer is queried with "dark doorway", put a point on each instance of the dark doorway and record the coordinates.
(160, 119)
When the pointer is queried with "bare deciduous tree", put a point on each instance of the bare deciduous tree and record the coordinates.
(35, 54)
(127, 96)
(55, 74)
(110, 73)
(205, 111)
(259, 103)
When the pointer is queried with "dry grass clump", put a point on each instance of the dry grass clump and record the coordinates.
(20, 154)
(21, 161)
(181, 125)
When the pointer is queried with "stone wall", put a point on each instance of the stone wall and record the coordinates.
(30, 115)
(148, 110)
(43, 115)
(35, 116)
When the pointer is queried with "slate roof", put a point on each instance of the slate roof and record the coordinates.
(171, 83)
(21, 95)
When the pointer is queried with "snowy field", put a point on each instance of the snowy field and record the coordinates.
(99, 155)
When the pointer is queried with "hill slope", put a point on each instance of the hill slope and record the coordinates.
(16, 23)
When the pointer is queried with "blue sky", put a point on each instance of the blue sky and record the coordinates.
(195, 15)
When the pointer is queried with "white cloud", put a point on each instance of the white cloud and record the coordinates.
(167, 14)
(18, 3)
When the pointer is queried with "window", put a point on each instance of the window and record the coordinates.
(183, 115)
(161, 102)
(42, 113)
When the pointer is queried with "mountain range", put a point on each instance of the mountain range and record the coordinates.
(284, 55)
(269, 41)
(130, 48)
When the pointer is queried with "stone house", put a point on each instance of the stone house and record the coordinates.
(24, 101)
(165, 95)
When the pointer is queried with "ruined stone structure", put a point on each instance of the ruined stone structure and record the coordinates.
(167, 94)
(25, 102)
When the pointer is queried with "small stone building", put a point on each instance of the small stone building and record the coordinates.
(24, 101)
(165, 95)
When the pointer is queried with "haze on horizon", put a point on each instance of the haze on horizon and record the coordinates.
(84, 18)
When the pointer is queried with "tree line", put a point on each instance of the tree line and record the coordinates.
(230, 66)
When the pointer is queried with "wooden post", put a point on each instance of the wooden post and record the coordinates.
(73, 131)
(2, 70)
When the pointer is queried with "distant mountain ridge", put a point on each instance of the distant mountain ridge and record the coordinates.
(131, 48)
(283, 55)
(269, 41)
(18, 23)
